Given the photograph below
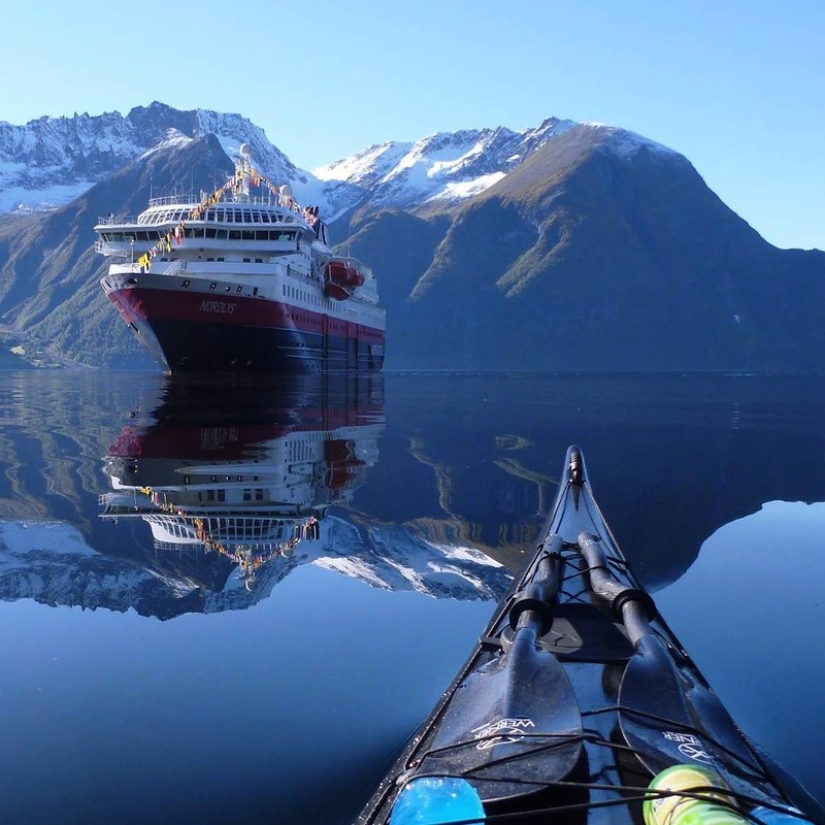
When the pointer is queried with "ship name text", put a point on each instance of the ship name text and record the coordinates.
(217, 306)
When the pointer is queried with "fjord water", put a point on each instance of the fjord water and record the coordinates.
(162, 667)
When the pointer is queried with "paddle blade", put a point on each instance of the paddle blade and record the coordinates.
(654, 716)
(512, 727)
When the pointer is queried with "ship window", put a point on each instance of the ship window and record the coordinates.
(221, 259)
(255, 290)
(261, 234)
(210, 232)
(248, 235)
(264, 217)
(239, 290)
(247, 495)
(212, 286)
(234, 234)
(247, 260)
(210, 215)
(238, 216)
(197, 232)
(247, 216)
(259, 495)
(210, 259)
(259, 260)
(185, 284)
(228, 289)
(256, 217)
(230, 216)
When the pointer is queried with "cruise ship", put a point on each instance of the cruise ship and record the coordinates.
(242, 279)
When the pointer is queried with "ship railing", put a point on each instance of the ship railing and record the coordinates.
(195, 200)
(116, 220)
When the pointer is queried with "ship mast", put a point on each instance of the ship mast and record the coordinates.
(242, 168)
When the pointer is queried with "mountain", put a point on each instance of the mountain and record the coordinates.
(49, 162)
(601, 251)
(50, 563)
(563, 247)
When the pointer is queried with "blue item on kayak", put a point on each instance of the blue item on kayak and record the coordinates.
(433, 800)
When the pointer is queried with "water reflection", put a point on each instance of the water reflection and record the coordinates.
(235, 488)
(247, 474)
(756, 586)
(463, 470)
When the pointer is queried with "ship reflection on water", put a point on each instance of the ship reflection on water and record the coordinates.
(245, 470)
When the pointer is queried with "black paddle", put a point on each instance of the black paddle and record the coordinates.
(667, 715)
(655, 697)
(513, 725)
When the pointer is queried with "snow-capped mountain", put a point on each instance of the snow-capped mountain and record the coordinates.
(442, 166)
(51, 563)
(50, 161)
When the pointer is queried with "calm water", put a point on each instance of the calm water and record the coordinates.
(234, 603)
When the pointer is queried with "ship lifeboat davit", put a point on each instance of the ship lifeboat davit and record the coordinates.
(340, 278)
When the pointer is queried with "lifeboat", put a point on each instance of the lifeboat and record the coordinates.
(342, 464)
(341, 277)
(336, 291)
(345, 273)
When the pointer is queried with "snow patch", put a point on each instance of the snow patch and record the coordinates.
(627, 144)
(462, 553)
(458, 190)
(22, 200)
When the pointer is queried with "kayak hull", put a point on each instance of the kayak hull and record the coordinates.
(638, 704)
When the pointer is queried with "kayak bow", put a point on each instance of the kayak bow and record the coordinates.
(580, 704)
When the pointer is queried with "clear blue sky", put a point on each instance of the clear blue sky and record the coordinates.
(738, 86)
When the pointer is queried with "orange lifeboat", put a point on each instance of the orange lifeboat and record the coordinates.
(336, 291)
(342, 464)
(345, 273)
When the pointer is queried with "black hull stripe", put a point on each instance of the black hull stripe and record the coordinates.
(184, 346)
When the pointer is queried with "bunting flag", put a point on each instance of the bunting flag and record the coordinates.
(307, 529)
(233, 183)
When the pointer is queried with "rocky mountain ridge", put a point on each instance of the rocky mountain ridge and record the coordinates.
(51, 564)
(49, 162)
